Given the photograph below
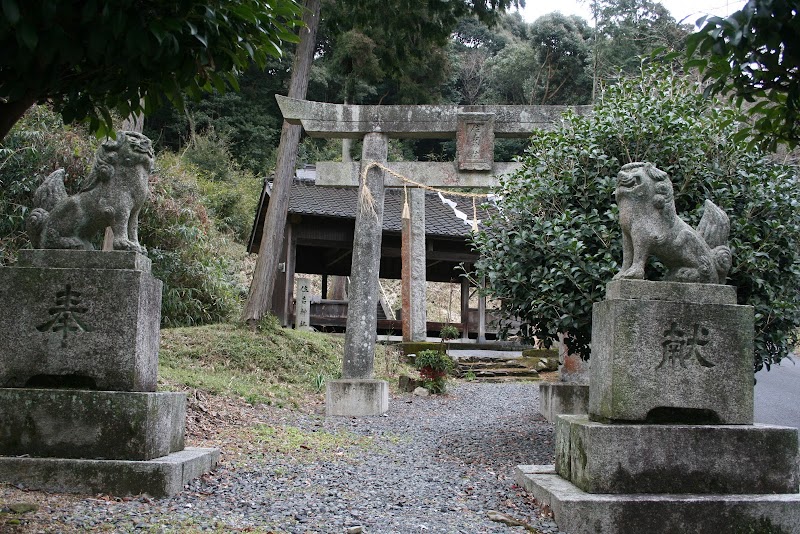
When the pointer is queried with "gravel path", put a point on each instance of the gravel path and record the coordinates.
(435, 464)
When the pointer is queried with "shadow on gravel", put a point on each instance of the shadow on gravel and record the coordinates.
(502, 448)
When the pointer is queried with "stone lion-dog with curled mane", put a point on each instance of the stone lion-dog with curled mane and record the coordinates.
(116, 190)
(651, 226)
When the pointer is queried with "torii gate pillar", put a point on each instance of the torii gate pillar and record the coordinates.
(357, 393)
(475, 128)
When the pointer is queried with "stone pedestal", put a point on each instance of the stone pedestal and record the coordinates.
(159, 477)
(570, 395)
(671, 352)
(80, 319)
(679, 355)
(79, 336)
(741, 459)
(356, 398)
(579, 512)
(91, 424)
(556, 398)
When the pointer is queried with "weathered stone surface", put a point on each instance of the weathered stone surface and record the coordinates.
(92, 328)
(159, 477)
(578, 512)
(475, 141)
(442, 174)
(573, 368)
(672, 292)
(112, 196)
(414, 318)
(320, 119)
(671, 361)
(407, 384)
(356, 398)
(550, 354)
(556, 398)
(650, 226)
(362, 309)
(547, 365)
(81, 259)
(603, 458)
(91, 424)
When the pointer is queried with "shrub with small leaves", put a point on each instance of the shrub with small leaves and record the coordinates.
(199, 286)
(555, 240)
(434, 367)
(448, 331)
(230, 193)
(37, 145)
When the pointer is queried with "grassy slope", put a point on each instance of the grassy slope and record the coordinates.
(270, 365)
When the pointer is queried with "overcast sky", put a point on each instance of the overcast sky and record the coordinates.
(690, 10)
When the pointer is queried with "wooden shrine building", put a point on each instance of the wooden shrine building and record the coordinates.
(319, 240)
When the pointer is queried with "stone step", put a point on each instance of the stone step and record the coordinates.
(505, 371)
(485, 359)
(579, 512)
(503, 379)
(497, 364)
(501, 373)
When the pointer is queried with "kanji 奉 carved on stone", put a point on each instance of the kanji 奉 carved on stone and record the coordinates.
(116, 190)
(651, 226)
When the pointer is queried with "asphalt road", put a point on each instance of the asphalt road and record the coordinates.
(777, 394)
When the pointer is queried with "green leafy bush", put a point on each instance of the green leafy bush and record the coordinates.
(230, 193)
(199, 282)
(434, 366)
(556, 242)
(448, 331)
(37, 145)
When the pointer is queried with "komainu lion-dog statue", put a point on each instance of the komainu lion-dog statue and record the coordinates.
(116, 190)
(651, 226)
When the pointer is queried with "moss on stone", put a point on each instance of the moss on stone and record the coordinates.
(418, 346)
(540, 353)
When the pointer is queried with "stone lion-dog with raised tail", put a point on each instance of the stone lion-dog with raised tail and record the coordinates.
(115, 192)
(651, 226)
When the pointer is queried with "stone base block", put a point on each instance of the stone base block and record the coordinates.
(61, 423)
(356, 397)
(159, 477)
(79, 319)
(735, 459)
(578, 512)
(668, 352)
(556, 398)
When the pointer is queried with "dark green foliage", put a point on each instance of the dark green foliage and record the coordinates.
(556, 241)
(434, 366)
(199, 283)
(562, 44)
(90, 58)
(753, 55)
(629, 30)
(249, 120)
(229, 192)
(39, 145)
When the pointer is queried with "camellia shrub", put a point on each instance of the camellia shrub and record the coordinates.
(555, 241)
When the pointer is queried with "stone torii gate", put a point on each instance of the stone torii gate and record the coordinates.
(475, 128)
